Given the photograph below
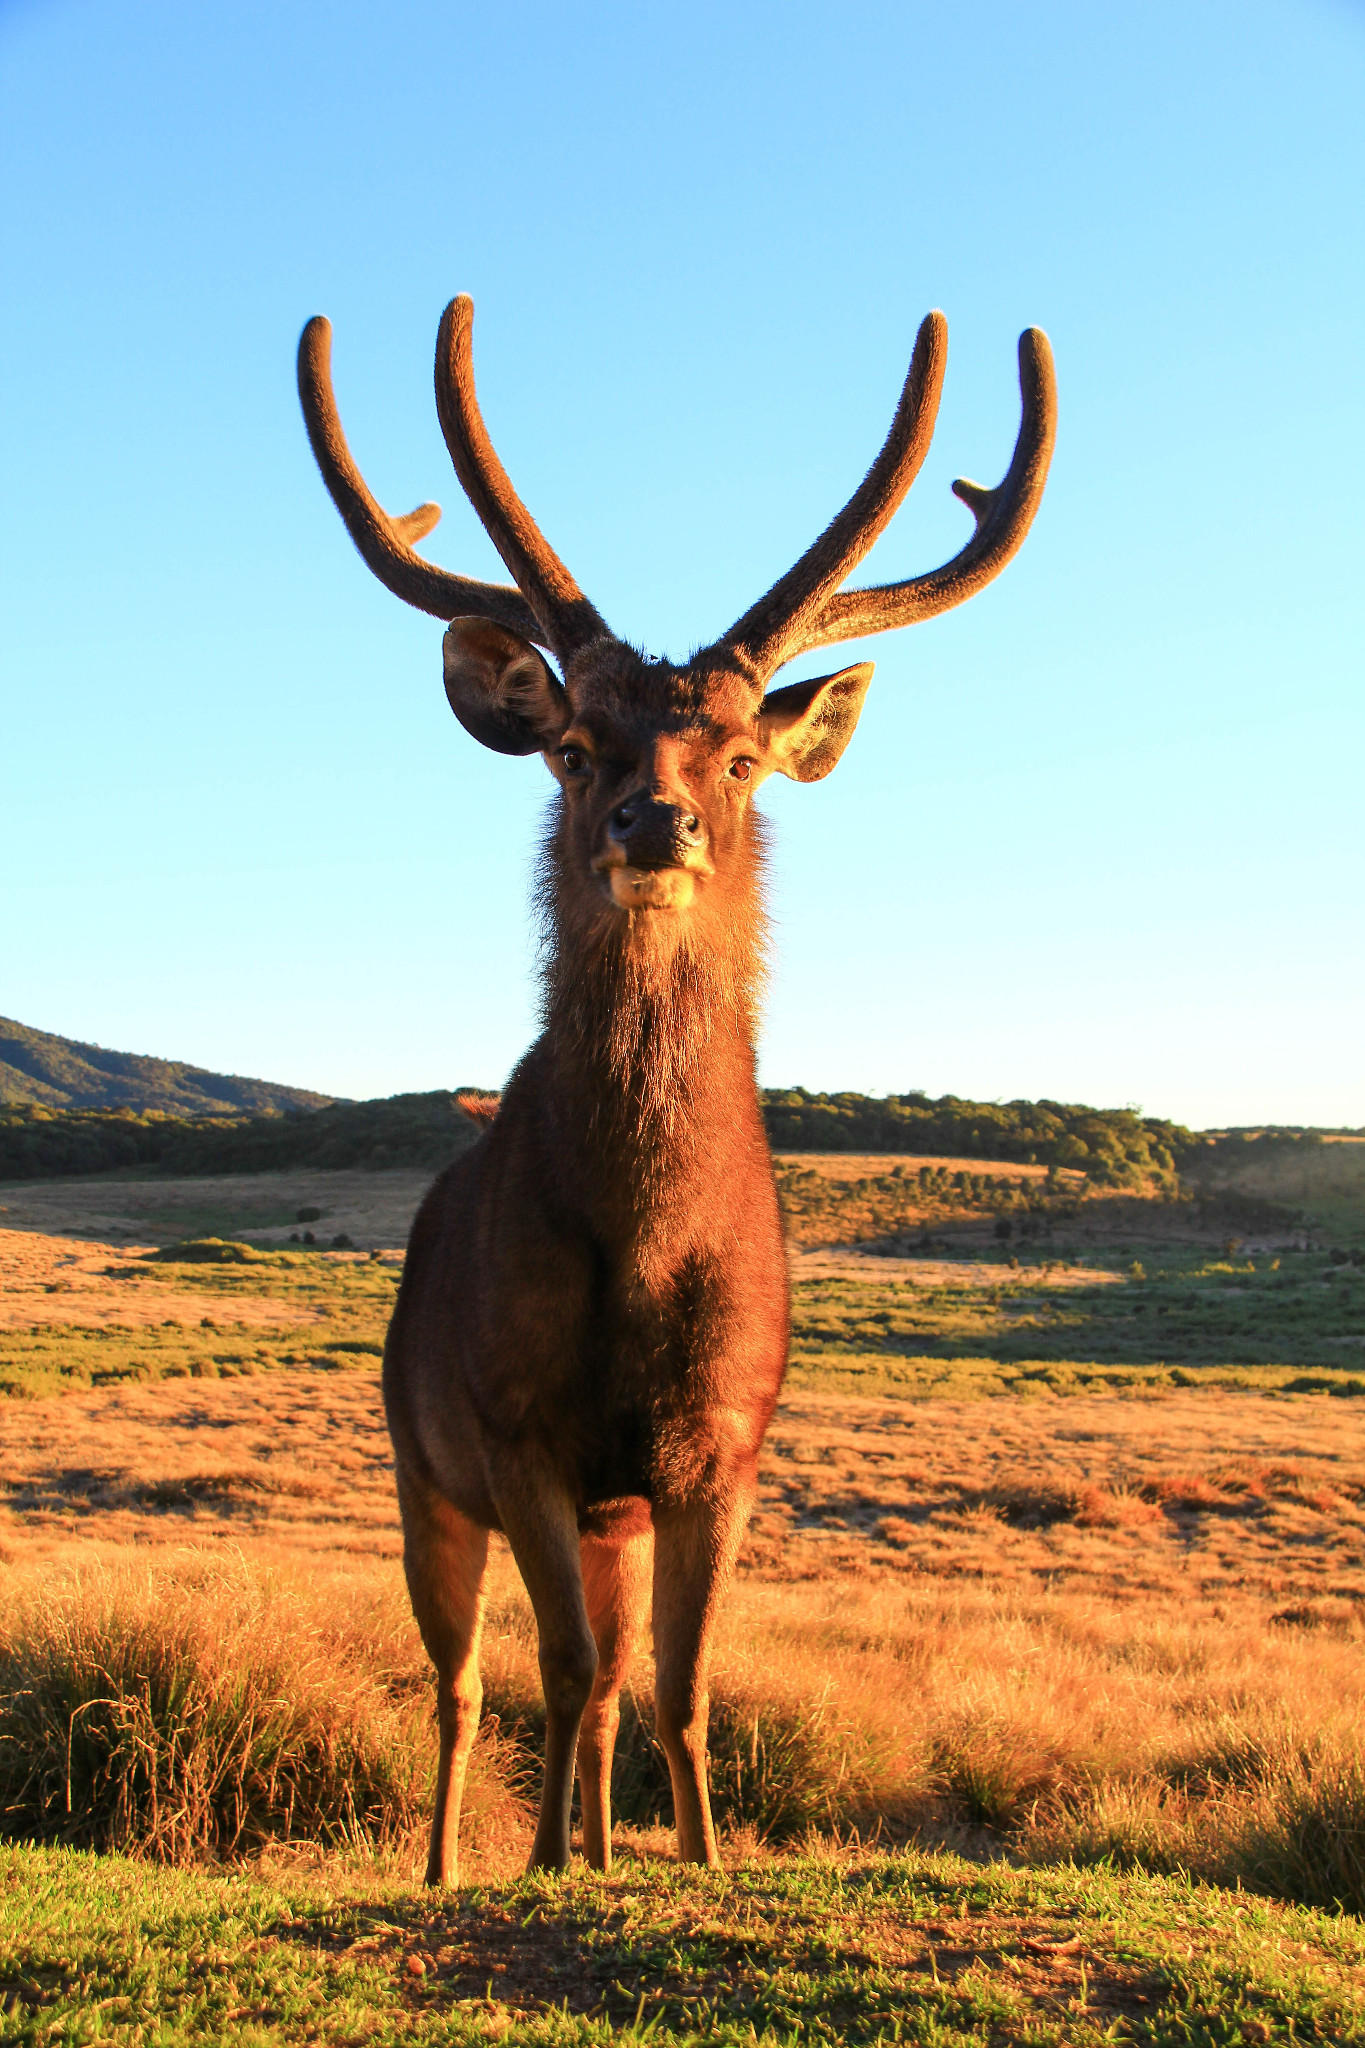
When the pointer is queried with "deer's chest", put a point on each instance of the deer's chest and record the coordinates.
(678, 1373)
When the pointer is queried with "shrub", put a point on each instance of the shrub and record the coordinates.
(208, 1251)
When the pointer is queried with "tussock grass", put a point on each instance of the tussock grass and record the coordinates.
(208, 1714)
(1302, 1834)
(792, 1750)
(1292, 1828)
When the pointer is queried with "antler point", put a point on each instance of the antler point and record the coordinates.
(978, 498)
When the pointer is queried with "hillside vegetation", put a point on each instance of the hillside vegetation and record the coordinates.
(1113, 1147)
(65, 1073)
(429, 1130)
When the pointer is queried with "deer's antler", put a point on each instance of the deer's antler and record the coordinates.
(386, 543)
(807, 609)
(776, 628)
(567, 621)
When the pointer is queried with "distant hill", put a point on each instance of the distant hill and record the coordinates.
(68, 1108)
(37, 1143)
(64, 1073)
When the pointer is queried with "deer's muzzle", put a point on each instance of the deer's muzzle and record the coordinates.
(654, 854)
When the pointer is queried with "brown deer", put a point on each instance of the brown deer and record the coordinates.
(591, 1329)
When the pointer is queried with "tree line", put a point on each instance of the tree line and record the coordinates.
(1112, 1147)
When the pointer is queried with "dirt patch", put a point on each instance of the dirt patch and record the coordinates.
(675, 1962)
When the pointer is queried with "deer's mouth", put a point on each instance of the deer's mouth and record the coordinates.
(651, 888)
(633, 886)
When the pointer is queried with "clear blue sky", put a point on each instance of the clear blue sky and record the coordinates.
(1098, 836)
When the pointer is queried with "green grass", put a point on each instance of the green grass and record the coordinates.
(1297, 1326)
(866, 1949)
(355, 1300)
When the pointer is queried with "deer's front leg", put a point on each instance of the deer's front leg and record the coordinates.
(541, 1525)
(695, 1546)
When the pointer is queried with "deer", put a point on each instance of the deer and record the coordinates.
(591, 1329)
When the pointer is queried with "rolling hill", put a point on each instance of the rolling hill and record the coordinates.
(65, 1073)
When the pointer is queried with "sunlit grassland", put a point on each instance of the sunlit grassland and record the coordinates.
(1099, 1643)
(305, 1308)
(1294, 1323)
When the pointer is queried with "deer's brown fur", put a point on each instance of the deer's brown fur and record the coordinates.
(591, 1329)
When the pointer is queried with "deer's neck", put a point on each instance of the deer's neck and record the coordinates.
(650, 1035)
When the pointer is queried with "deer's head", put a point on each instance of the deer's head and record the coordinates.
(657, 762)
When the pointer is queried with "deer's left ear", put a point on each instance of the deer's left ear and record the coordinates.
(806, 726)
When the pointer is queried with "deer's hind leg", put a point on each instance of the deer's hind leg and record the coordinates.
(616, 1583)
(445, 1556)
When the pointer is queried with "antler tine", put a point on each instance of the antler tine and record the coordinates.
(386, 543)
(567, 622)
(775, 629)
(1003, 517)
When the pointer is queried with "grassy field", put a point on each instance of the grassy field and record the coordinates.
(1037, 1704)
(1295, 1323)
(833, 1948)
(80, 1315)
(74, 1313)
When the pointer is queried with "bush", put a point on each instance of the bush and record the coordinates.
(209, 1251)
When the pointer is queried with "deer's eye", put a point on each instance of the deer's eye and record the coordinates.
(742, 769)
(574, 759)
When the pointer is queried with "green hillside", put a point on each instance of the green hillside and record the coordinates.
(37, 1143)
(65, 1073)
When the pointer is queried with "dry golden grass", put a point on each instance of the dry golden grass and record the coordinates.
(1108, 1625)
(49, 1282)
(840, 1166)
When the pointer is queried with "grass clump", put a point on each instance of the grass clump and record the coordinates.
(204, 1717)
(786, 1760)
(209, 1251)
(1304, 1838)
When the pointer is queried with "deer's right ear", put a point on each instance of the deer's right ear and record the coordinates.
(501, 689)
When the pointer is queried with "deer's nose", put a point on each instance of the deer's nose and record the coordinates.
(655, 834)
